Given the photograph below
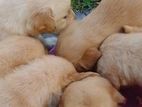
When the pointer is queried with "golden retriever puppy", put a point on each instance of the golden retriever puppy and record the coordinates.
(38, 84)
(121, 60)
(31, 17)
(93, 91)
(108, 18)
(17, 50)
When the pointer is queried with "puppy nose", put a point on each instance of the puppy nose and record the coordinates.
(56, 31)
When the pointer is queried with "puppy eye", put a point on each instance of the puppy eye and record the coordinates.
(65, 17)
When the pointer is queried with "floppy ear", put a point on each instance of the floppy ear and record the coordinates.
(88, 60)
(42, 21)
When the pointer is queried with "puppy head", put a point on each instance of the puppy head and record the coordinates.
(49, 16)
(63, 14)
(64, 21)
(41, 22)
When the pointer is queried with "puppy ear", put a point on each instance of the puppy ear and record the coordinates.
(42, 21)
(88, 60)
(71, 16)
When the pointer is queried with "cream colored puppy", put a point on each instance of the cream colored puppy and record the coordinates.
(93, 91)
(17, 50)
(38, 84)
(108, 18)
(121, 60)
(31, 17)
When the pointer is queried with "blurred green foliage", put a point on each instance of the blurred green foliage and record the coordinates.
(84, 5)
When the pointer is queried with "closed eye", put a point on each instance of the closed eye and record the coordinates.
(65, 17)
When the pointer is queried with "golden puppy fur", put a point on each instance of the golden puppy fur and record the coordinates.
(121, 60)
(38, 84)
(17, 50)
(108, 18)
(31, 17)
(93, 91)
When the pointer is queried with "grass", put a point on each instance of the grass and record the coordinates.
(84, 5)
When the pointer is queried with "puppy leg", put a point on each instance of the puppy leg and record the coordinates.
(131, 29)
(88, 60)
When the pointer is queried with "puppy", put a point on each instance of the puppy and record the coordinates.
(93, 91)
(108, 18)
(17, 50)
(20, 17)
(121, 59)
(38, 84)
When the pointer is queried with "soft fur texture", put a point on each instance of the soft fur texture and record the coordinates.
(17, 50)
(93, 91)
(31, 17)
(121, 60)
(108, 18)
(38, 84)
